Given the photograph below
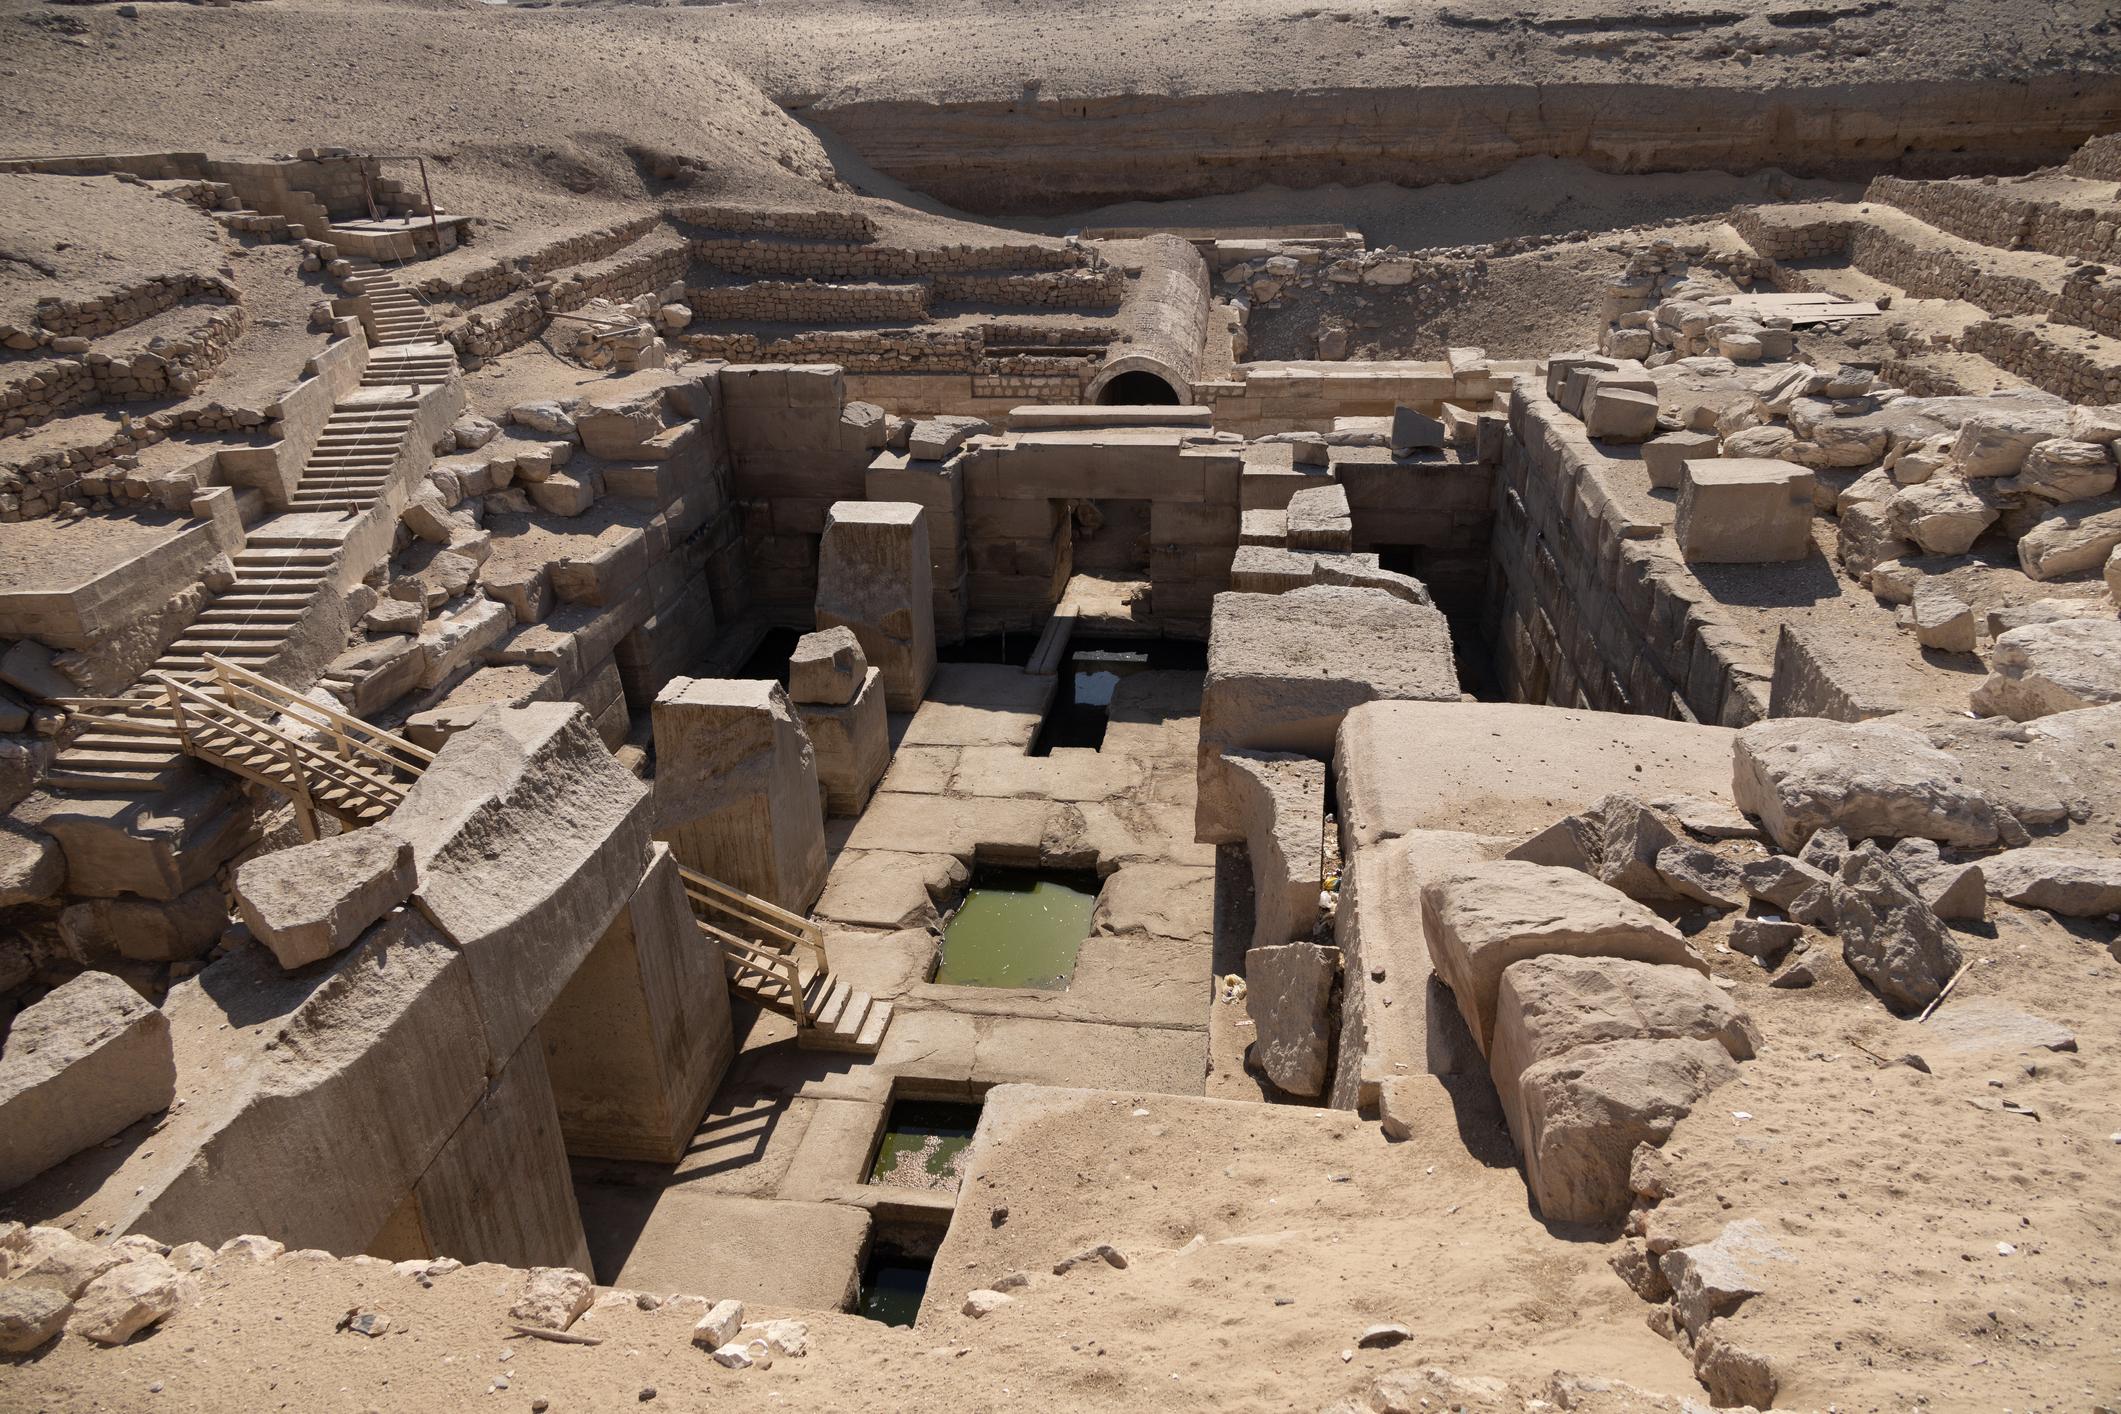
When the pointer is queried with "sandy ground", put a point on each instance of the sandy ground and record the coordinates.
(79, 237)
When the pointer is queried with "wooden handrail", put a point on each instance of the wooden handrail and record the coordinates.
(711, 896)
(241, 725)
(296, 703)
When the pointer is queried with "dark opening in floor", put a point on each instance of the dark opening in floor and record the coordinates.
(1082, 701)
(1464, 612)
(923, 1144)
(893, 1283)
(770, 658)
(1013, 649)
(1018, 928)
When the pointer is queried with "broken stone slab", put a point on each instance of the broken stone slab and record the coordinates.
(1478, 919)
(1743, 510)
(1414, 431)
(1318, 519)
(874, 578)
(1586, 1111)
(1282, 799)
(935, 438)
(1992, 1026)
(1943, 621)
(1765, 938)
(1872, 779)
(1665, 457)
(80, 1065)
(827, 667)
(552, 1297)
(1701, 875)
(1889, 936)
(309, 901)
(32, 866)
(2073, 882)
(1550, 1006)
(2062, 469)
(2052, 667)
(53, 1259)
(1733, 1375)
(2071, 539)
(1943, 515)
(1288, 996)
(720, 1325)
(1715, 1278)
(1779, 880)
(1997, 443)
(851, 743)
(1952, 891)
(1613, 414)
(128, 1299)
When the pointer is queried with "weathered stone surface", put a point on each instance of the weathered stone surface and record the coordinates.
(1943, 515)
(1480, 918)
(128, 1299)
(1283, 669)
(54, 1259)
(1888, 934)
(1997, 443)
(1744, 510)
(30, 1315)
(720, 1325)
(2071, 539)
(1550, 1006)
(935, 438)
(81, 1064)
(2061, 469)
(983, 1303)
(312, 900)
(1715, 1278)
(826, 667)
(874, 578)
(529, 838)
(1318, 519)
(1869, 778)
(32, 868)
(1282, 798)
(1666, 457)
(1587, 1110)
(1943, 621)
(1765, 938)
(1952, 891)
(1732, 1374)
(2072, 882)
(1620, 415)
(736, 788)
(1779, 880)
(852, 744)
(146, 930)
(2052, 667)
(552, 1297)
(1701, 875)
(1288, 995)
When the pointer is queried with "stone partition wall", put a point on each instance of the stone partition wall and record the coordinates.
(121, 308)
(794, 302)
(803, 225)
(827, 259)
(1304, 396)
(1805, 232)
(1100, 288)
(1591, 605)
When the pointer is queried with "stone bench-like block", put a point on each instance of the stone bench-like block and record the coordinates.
(1744, 510)
(1283, 800)
(1666, 457)
(1318, 519)
(874, 577)
(312, 900)
(80, 1065)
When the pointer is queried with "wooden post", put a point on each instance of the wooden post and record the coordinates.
(429, 192)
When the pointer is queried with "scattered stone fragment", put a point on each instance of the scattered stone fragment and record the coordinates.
(1870, 778)
(2052, 667)
(1103, 1252)
(1765, 938)
(1715, 1278)
(985, 1302)
(81, 1064)
(720, 1325)
(1383, 1335)
(2072, 882)
(30, 1315)
(128, 1299)
(1778, 879)
(552, 1297)
(1888, 934)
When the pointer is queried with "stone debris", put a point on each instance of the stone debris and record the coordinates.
(1888, 934)
(128, 1299)
(1715, 1278)
(2071, 882)
(2053, 667)
(1383, 1335)
(311, 901)
(1868, 778)
(983, 1303)
(552, 1297)
(720, 1325)
(1288, 995)
(1103, 1252)
(30, 1315)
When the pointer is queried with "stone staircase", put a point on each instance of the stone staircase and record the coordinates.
(360, 445)
(392, 314)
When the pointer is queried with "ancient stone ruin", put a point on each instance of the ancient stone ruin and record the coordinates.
(653, 772)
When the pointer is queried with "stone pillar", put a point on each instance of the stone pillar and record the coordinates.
(499, 1191)
(639, 1039)
(840, 701)
(736, 791)
(874, 577)
(1281, 798)
(937, 487)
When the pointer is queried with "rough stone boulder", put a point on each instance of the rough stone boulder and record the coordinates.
(1288, 995)
(1642, 850)
(1283, 800)
(2071, 539)
(2053, 667)
(2062, 469)
(80, 1065)
(312, 900)
(827, 667)
(2073, 882)
(1549, 1006)
(1872, 779)
(1590, 1107)
(30, 1315)
(1889, 936)
(1944, 515)
(128, 1299)
(32, 868)
(1713, 1279)
(529, 837)
(1480, 918)
(935, 438)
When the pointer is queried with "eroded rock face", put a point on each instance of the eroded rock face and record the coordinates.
(1481, 918)
(1888, 934)
(2041, 669)
(1589, 1108)
(1288, 995)
(1872, 779)
(80, 1065)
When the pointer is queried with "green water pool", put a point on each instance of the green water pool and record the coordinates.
(1017, 930)
(924, 1144)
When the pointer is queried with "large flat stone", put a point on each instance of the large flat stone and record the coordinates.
(312, 900)
(1871, 779)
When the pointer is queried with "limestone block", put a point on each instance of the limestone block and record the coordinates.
(1943, 621)
(2062, 469)
(640, 1037)
(618, 428)
(1288, 995)
(736, 788)
(1480, 918)
(852, 742)
(1586, 1111)
(128, 1299)
(309, 901)
(1997, 443)
(53, 1258)
(2072, 882)
(32, 867)
(30, 1315)
(935, 438)
(1283, 669)
(1944, 515)
(1870, 779)
(1620, 415)
(1952, 891)
(1888, 934)
(2053, 667)
(874, 578)
(529, 838)
(563, 495)
(1413, 430)
(1735, 510)
(1665, 457)
(81, 1064)
(1318, 519)
(1282, 798)
(145, 930)
(2071, 539)
(827, 667)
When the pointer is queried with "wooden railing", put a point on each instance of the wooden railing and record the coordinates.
(758, 938)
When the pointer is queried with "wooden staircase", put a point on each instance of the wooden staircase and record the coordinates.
(777, 959)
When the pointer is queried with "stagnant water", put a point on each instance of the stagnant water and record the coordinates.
(1017, 929)
(924, 1145)
(893, 1285)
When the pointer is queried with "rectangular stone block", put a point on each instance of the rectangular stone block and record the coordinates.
(1744, 510)
(736, 790)
(80, 1065)
(853, 745)
(874, 577)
